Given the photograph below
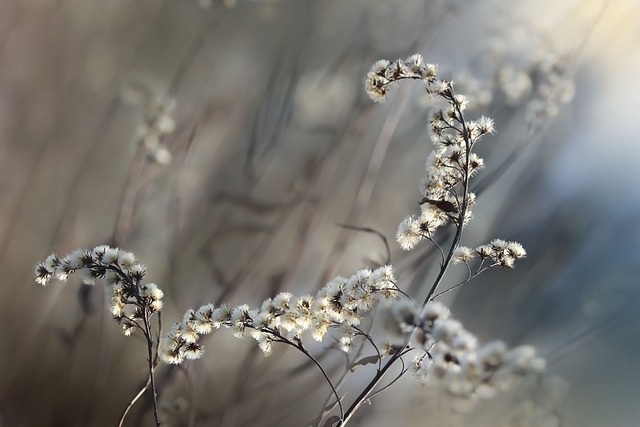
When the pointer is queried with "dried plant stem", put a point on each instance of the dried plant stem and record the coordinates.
(298, 345)
(152, 380)
(133, 401)
(365, 394)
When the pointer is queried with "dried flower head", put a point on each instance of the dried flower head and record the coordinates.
(340, 304)
(121, 273)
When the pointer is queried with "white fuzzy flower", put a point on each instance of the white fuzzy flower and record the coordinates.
(409, 233)
(463, 254)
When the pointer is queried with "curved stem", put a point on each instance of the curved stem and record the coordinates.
(400, 375)
(467, 280)
(304, 351)
(442, 256)
(133, 401)
(373, 344)
(377, 233)
(326, 377)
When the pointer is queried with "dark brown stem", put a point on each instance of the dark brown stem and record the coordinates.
(151, 380)
(154, 393)
(364, 395)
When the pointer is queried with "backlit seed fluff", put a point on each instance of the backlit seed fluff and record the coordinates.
(486, 125)
(415, 63)
(463, 254)
(485, 251)
(127, 260)
(377, 87)
(118, 270)
(516, 250)
(384, 73)
(341, 302)
(499, 245)
(435, 310)
(409, 233)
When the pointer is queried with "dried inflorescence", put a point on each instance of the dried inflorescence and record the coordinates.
(444, 190)
(384, 73)
(514, 74)
(500, 253)
(157, 124)
(450, 355)
(453, 358)
(121, 273)
(340, 304)
(554, 88)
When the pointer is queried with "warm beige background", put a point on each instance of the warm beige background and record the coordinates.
(275, 144)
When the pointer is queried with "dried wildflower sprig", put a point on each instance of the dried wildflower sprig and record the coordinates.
(284, 318)
(132, 303)
(449, 168)
(445, 194)
(453, 358)
(500, 253)
(497, 254)
(340, 304)
(121, 273)
(384, 73)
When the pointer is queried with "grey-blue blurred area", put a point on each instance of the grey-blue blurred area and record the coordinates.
(224, 142)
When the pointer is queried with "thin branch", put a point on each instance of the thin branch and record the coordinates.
(133, 401)
(300, 347)
(154, 393)
(375, 347)
(400, 375)
(364, 395)
(439, 248)
(377, 233)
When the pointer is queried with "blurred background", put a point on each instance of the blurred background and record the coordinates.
(224, 141)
